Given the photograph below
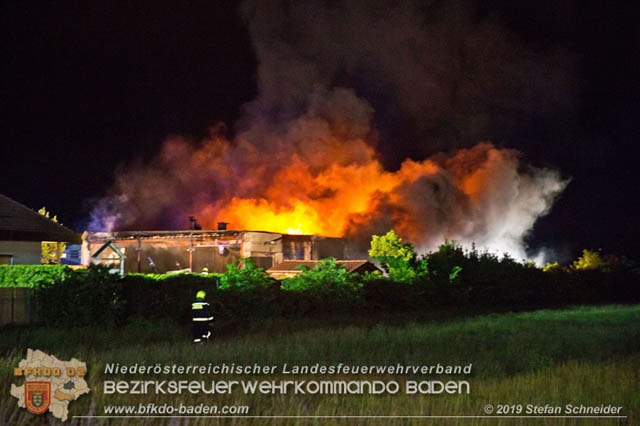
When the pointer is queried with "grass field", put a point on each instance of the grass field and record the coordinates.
(584, 355)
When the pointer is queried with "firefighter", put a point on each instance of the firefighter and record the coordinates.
(200, 318)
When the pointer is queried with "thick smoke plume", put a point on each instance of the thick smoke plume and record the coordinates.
(347, 90)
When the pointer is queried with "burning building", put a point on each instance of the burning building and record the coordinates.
(344, 137)
(202, 250)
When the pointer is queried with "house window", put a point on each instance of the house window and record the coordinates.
(6, 259)
(293, 251)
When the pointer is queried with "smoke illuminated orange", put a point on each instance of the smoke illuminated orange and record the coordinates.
(336, 188)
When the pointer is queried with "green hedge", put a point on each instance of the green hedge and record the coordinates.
(85, 297)
(96, 297)
(327, 285)
(32, 275)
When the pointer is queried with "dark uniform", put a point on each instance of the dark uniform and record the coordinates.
(200, 317)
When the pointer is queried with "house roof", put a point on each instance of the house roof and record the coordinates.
(292, 265)
(159, 235)
(189, 234)
(20, 223)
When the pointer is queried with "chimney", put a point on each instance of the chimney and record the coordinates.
(193, 224)
(222, 226)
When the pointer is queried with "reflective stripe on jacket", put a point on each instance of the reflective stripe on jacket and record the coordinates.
(200, 311)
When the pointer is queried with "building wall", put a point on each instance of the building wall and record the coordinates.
(329, 247)
(170, 252)
(263, 248)
(154, 257)
(164, 256)
(214, 259)
(22, 252)
(297, 247)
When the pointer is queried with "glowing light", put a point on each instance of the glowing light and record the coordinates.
(297, 230)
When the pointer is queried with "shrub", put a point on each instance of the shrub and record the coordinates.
(86, 297)
(32, 275)
(383, 294)
(449, 259)
(398, 259)
(164, 296)
(327, 277)
(390, 245)
(589, 260)
(326, 287)
(95, 297)
(248, 278)
(551, 267)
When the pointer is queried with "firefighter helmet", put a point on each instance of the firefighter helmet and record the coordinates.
(201, 294)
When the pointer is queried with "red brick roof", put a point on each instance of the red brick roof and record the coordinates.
(20, 223)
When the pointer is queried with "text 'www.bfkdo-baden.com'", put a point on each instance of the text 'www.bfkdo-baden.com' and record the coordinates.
(153, 409)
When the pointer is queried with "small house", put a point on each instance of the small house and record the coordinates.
(23, 230)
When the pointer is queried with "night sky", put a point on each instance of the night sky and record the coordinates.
(90, 87)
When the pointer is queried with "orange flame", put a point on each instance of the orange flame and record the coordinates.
(299, 202)
(325, 187)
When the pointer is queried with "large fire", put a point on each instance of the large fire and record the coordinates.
(339, 189)
(301, 202)
(304, 154)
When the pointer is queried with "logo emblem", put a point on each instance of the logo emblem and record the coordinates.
(37, 396)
